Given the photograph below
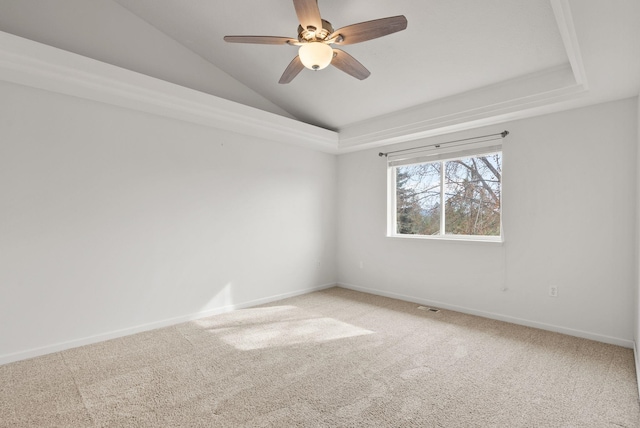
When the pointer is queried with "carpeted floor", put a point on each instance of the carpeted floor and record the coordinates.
(335, 358)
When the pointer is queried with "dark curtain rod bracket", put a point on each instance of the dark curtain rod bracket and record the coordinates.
(501, 134)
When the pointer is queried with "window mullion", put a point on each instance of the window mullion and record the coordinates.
(392, 227)
(442, 192)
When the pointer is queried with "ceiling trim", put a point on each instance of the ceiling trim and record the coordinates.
(29, 63)
(564, 19)
(33, 64)
(515, 99)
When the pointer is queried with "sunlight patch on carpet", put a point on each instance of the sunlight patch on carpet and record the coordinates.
(292, 332)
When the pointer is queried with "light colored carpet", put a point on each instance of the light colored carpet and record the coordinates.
(335, 358)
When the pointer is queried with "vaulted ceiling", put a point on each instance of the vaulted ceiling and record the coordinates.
(448, 48)
(459, 63)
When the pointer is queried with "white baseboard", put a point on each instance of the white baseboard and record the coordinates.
(528, 323)
(636, 358)
(57, 347)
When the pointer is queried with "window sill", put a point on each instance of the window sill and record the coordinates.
(454, 238)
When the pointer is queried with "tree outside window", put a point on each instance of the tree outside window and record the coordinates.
(451, 197)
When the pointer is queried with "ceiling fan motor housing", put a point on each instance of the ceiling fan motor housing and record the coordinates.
(311, 34)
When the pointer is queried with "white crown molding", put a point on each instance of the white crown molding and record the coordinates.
(564, 19)
(33, 64)
(514, 99)
(37, 65)
(485, 106)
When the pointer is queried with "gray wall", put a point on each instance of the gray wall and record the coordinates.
(569, 203)
(113, 221)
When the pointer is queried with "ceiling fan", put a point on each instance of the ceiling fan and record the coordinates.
(315, 37)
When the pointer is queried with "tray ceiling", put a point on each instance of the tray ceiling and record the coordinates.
(459, 64)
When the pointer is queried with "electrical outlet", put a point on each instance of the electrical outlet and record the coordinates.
(553, 290)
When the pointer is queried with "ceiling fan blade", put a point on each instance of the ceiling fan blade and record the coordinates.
(345, 62)
(308, 13)
(292, 70)
(260, 40)
(364, 31)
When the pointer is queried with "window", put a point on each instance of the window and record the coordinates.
(454, 195)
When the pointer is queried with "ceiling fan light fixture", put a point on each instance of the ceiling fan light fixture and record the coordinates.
(315, 55)
(316, 35)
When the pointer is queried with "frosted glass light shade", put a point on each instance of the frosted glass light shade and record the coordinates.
(315, 55)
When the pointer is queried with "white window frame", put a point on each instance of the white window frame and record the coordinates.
(438, 154)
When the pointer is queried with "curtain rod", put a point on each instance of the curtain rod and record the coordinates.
(502, 134)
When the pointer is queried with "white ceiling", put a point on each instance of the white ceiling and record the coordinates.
(449, 47)
(460, 63)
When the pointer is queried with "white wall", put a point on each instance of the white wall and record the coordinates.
(569, 203)
(114, 220)
(637, 296)
(105, 31)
